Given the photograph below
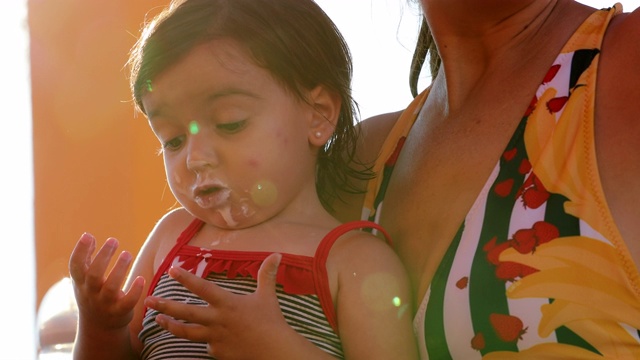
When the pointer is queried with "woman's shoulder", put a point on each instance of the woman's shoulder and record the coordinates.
(626, 24)
(618, 77)
(374, 131)
(379, 125)
(621, 51)
(625, 29)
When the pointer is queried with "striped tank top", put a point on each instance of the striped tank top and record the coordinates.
(538, 268)
(302, 290)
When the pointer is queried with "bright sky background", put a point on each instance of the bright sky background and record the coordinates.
(381, 34)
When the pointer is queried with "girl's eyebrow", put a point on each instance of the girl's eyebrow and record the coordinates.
(154, 113)
(157, 114)
(232, 92)
(213, 97)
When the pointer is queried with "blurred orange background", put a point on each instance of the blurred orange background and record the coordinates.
(96, 166)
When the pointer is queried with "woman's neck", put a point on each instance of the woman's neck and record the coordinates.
(479, 39)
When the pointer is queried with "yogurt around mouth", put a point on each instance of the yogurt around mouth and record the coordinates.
(213, 199)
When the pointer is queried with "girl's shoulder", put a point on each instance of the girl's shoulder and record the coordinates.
(360, 252)
(174, 220)
(165, 233)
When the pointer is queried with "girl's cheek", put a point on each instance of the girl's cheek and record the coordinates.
(263, 193)
(253, 163)
(177, 179)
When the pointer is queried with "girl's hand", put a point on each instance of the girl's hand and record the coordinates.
(102, 304)
(234, 326)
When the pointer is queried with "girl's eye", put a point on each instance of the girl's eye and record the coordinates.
(173, 144)
(232, 127)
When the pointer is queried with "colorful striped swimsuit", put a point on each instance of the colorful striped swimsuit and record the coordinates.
(538, 268)
(302, 291)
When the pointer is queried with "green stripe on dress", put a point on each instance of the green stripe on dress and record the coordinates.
(436, 341)
(487, 293)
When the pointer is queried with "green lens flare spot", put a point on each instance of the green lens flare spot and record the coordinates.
(194, 128)
(149, 87)
(397, 302)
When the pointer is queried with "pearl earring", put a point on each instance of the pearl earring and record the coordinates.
(318, 134)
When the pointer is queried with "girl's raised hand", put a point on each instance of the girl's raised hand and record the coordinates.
(102, 304)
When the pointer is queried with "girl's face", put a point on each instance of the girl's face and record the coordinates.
(237, 146)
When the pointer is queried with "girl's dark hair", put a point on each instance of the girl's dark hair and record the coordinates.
(292, 39)
(425, 45)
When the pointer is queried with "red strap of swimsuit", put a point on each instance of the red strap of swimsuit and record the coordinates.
(320, 276)
(184, 238)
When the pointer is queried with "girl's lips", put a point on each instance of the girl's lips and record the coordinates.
(211, 197)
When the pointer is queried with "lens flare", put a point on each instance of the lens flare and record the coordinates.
(264, 193)
(194, 128)
(376, 284)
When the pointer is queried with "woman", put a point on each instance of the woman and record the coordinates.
(517, 240)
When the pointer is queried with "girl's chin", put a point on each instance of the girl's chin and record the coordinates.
(228, 217)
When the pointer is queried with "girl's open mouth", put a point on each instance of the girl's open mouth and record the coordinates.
(211, 196)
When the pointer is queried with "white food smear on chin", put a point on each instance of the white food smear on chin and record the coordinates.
(227, 217)
(243, 211)
(245, 208)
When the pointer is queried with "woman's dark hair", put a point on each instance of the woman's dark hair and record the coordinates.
(425, 45)
(292, 39)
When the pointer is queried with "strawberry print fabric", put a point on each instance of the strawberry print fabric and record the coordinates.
(538, 269)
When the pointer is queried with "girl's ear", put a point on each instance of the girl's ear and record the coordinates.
(326, 105)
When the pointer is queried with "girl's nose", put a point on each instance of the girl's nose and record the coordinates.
(201, 154)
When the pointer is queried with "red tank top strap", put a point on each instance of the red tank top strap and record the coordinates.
(321, 278)
(183, 239)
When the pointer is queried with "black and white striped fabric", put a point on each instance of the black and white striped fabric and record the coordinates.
(303, 313)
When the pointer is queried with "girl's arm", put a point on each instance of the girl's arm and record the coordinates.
(373, 303)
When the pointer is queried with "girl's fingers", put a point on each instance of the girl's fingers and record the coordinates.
(134, 292)
(193, 332)
(267, 275)
(81, 257)
(206, 290)
(118, 274)
(95, 276)
(191, 313)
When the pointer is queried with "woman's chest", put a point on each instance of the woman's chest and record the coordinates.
(435, 181)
